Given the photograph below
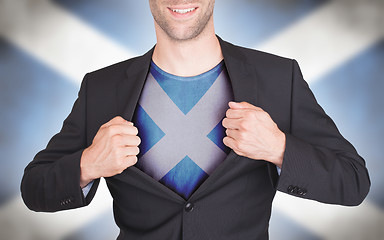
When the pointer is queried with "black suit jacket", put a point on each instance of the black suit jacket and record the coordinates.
(235, 201)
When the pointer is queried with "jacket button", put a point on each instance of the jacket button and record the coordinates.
(189, 207)
(302, 191)
(291, 189)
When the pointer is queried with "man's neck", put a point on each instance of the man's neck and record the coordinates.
(188, 58)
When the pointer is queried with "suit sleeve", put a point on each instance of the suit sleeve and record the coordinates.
(319, 163)
(51, 182)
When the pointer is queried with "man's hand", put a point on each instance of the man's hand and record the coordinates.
(252, 133)
(113, 149)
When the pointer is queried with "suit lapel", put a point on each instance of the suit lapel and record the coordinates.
(242, 75)
(129, 88)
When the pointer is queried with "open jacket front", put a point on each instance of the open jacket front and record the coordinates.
(235, 201)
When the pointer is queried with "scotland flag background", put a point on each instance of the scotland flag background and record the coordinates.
(47, 46)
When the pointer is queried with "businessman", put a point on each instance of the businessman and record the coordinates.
(194, 138)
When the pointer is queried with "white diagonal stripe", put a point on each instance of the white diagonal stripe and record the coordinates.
(338, 31)
(184, 130)
(212, 103)
(40, 26)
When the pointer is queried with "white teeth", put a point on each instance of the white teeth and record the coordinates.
(182, 11)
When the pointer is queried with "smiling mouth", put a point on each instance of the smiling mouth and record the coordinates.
(183, 11)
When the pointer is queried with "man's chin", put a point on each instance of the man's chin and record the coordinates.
(185, 36)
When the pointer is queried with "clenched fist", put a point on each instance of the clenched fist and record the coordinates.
(252, 133)
(113, 149)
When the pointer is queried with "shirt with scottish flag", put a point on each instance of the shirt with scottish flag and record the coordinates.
(179, 122)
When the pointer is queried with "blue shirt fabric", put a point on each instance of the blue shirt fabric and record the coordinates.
(179, 123)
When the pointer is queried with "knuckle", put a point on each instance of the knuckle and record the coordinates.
(267, 116)
(243, 135)
(243, 124)
(116, 154)
(127, 123)
(113, 129)
(118, 119)
(249, 114)
(260, 109)
(115, 139)
(263, 116)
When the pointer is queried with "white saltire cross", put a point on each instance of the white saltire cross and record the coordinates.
(185, 135)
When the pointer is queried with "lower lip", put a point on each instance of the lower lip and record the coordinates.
(182, 15)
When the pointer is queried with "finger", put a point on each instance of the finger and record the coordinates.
(126, 162)
(117, 120)
(242, 105)
(230, 123)
(131, 160)
(121, 129)
(240, 153)
(235, 113)
(129, 123)
(129, 140)
(232, 133)
(124, 141)
(130, 151)
(130, 130)
(230, 142)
